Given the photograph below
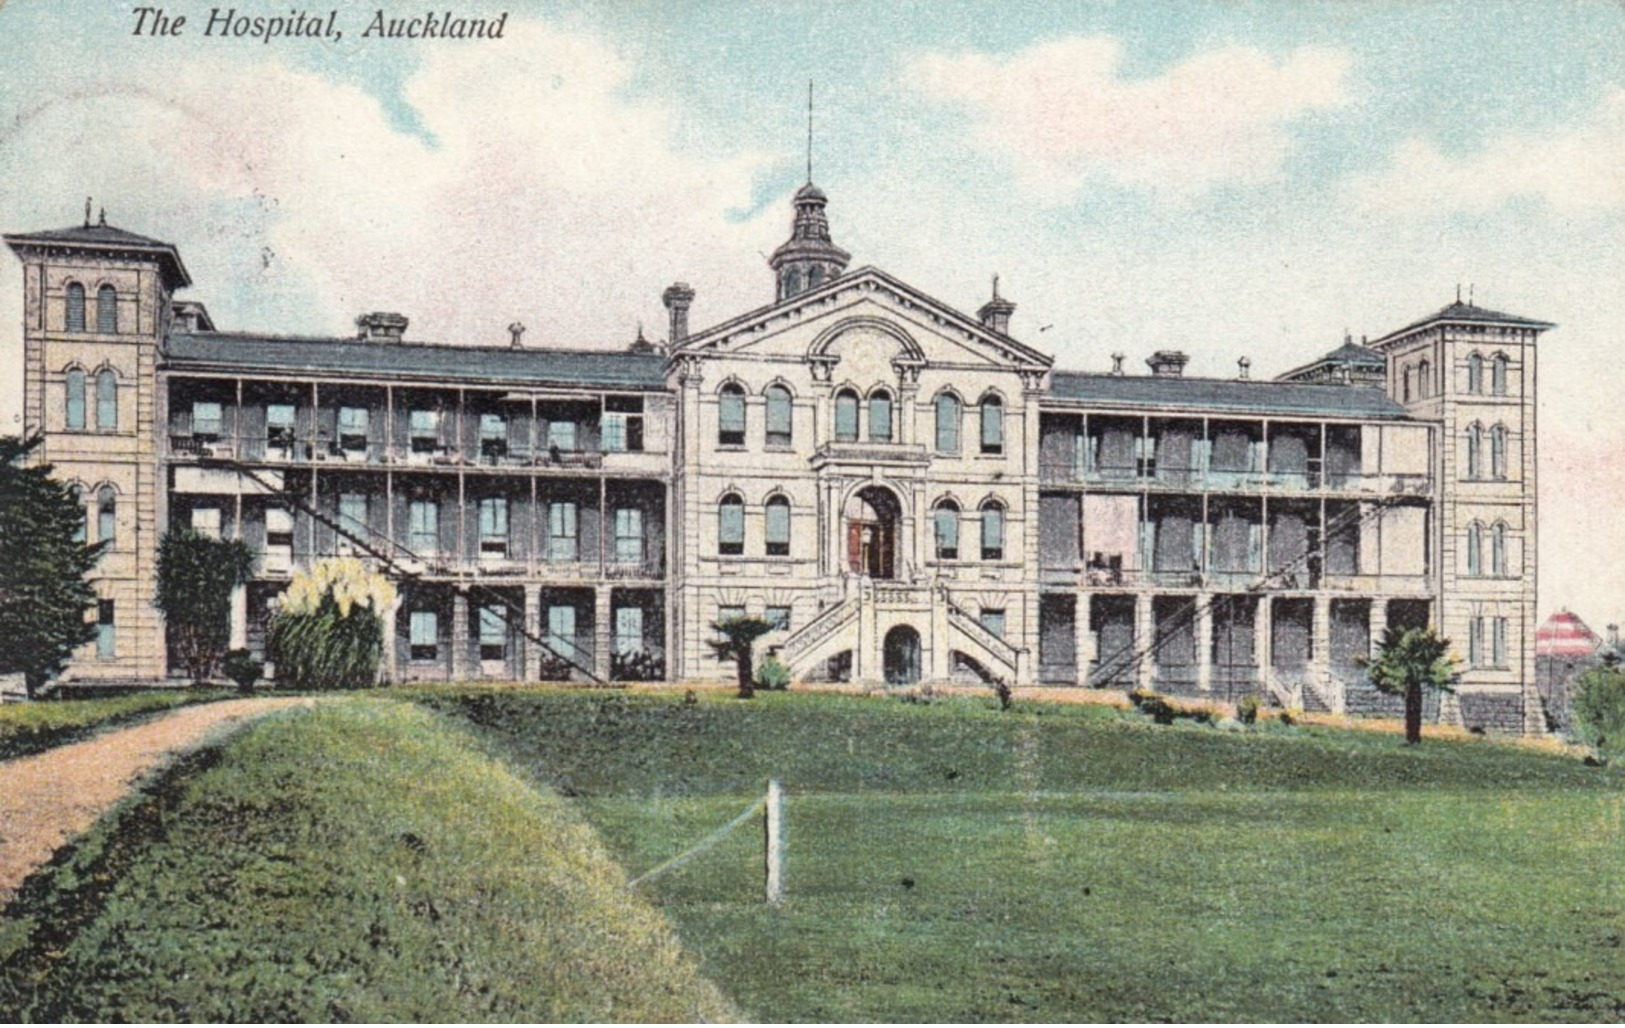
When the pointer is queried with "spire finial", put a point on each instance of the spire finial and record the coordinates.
(87, 212)
(995, 285)
(104, 217)
(1458, 292)
(1470, 295)
(809, 128)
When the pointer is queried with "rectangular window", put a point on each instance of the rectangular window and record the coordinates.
(731, 418)
(493, 437)
(494, 526)
(206, 521)
(76, 400)
(423, 527)
(993, 533)
(628, 535)
(778, 617)
(353, 429)
(846, 418)
(561, 436)
(279, 427)
(352, 520)
(993, 621)
(105, 644)
(947, 424)
(731, 529)
(562, 545)
(880, 418)
(778, 417)
(423, 428)
(730, 612)
(947, 528)
(778, 529)
(628, 630)
(207, 421)
(992, 426)
(493, 634)
(1475, 642)
(561, 632)
(424, 627)
(1498, 641)
(623, 423)
(614, 433)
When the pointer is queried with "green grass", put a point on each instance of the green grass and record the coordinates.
(951, 863)
(27, 728)
(360, 861)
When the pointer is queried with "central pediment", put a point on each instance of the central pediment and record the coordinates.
(871, 312)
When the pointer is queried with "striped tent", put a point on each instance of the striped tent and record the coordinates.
(1565, 635)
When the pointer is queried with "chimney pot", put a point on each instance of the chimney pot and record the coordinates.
(382, 326)
(1244, 368)
(1168, 363)
(677, 298)
(1117, 363)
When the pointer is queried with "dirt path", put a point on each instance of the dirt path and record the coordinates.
(49, 798)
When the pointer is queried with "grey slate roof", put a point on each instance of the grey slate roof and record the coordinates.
(108, 237)
(1354, 353)
(1223, 395)
(611, 369)
(1466, 312)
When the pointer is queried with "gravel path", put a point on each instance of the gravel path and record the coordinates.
(48, 798)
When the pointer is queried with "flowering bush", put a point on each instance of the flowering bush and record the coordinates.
(329, 630)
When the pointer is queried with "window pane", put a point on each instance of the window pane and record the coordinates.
(106, 310)
(993, 621)
(731, 524)
(425, 628)
(778, 522)
(76, 400)
(730, 612)
(207, 419)
(880, 417)
(106, 400)
(76, 307)
(947, 424)
(353, 421)
(106, 516)
(992, 425)
(846, 417)
(561, 631)
(628, 535)
(731, 411)
(947, 524)
(561, 435)
(992, 533)
(614, 432)
(778, 415)
(425, 423)
(104, 629)
(561, 532)
(493, 627)
(278, 521)
(778, 617)
(628, 630)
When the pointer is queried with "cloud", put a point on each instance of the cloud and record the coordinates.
(1575, 170)
(1064, 114)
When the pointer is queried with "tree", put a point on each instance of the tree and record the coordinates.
(739, 635)
(45, 598)
(329, 630)
(1599, 709)
(1407, 661)
(196, 576)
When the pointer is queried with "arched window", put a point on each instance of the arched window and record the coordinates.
(1475, 451)
(792, 283)
(948, 417)
(1424, 383)
(1475, 374)
(1407, 390)
(778, 416)
(76, 307)
(106, 400)
(107, 310)
(731, 526)
(1498, 453)
(106, 515)
(731, 416)
(815, 277)
(1475, 550)
(945, 520)
(1498, 549)
(1498, 374)
(778, 527)
(992, 530)
(880, 416)
(76, 400)
(992, 424)
(846, 416)
(78, 495)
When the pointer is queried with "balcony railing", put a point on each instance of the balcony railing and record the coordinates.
(1148, 474)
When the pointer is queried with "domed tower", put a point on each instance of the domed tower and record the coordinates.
(808, 258)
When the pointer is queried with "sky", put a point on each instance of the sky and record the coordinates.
(1230, 179)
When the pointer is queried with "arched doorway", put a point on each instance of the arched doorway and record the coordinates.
(901, 656)
(872, 516)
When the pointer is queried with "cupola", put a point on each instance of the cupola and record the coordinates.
(808, 258)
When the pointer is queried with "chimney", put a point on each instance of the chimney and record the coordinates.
(515, 331)
(1244, 368)
(381, 327)
(995, 313)
(1168, 363)
(677, 298)
(1117, 364)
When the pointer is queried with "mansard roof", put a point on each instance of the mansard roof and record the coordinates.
(719, 337)
(240, 353)
(106, 237)
(1466, 313)
(1215, 395)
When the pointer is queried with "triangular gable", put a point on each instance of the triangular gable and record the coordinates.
(833, 301)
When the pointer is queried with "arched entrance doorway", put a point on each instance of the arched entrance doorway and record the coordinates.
(902, 656)
(872, 516)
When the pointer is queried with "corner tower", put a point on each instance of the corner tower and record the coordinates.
(809, 258)
(96, 311)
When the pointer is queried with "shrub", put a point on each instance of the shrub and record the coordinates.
(241, 667)
(1002, 690)
(772, 674)
(329, 631)
(1247, 709)
(1286, 718)
(1599, 710)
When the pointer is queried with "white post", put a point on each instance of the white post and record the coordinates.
(775, 843)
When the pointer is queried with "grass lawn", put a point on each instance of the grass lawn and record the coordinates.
(949, 862)
(27, 728)
(360, 861)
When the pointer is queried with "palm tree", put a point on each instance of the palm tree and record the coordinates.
(739, 635)
(1406, 660)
